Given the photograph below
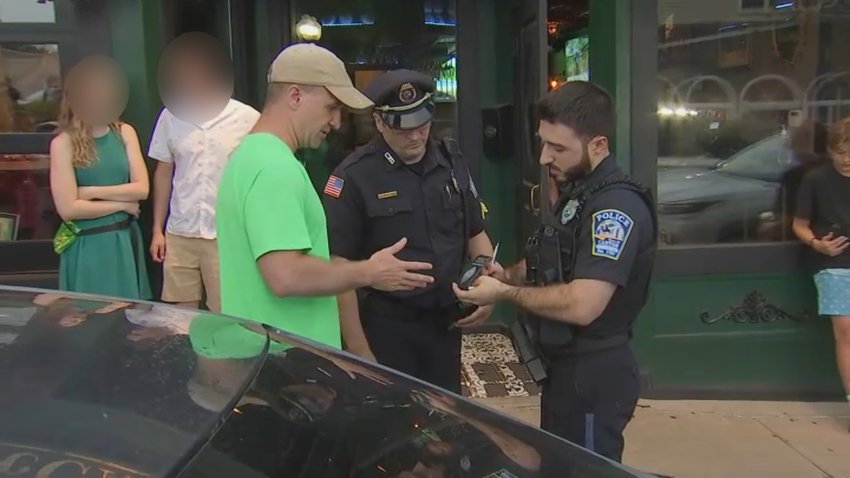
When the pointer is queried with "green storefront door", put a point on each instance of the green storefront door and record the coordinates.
(530, 67)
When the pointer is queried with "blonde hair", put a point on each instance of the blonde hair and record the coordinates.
(83, 152)
(839, 135)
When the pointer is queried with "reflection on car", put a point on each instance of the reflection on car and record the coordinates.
(101, 387)
(723, 202)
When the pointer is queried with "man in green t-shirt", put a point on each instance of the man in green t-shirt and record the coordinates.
(272, 234)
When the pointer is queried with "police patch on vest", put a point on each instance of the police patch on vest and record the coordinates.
(569, 211)
(611, 229)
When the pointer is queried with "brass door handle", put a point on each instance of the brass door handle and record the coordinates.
(532, 203)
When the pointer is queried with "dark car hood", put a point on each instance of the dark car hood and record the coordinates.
(80, 381)
(145, 389)
(698, 184)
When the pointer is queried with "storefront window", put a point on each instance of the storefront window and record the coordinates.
(373, 36)
(27, 11)
(745, 92)
(30, 93)
(26, 207)
(31, 80)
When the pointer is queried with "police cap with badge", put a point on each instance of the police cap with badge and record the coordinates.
(404, 99)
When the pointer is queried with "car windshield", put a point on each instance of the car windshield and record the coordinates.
(766, 160)
(127, 388)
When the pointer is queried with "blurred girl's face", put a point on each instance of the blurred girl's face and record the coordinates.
(97, 90)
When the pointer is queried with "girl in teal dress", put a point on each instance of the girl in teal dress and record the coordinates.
(97, 178)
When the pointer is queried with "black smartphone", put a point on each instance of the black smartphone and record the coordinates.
(474, 271)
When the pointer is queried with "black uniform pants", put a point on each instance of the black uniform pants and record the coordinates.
(417, 345)
(588, 399)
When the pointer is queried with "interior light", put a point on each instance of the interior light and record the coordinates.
(308, 28)
(665, 111)
(681, 112)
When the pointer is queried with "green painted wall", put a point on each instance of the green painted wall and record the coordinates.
(499, 175)
(712, 334)
(136, 45)
(610, 65)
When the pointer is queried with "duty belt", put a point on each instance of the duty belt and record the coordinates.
(386, 306)
(584, 345)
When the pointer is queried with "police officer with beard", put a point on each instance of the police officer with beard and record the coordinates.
(406, 185)
(585, 276)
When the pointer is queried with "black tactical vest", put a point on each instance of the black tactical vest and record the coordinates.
(550, 259)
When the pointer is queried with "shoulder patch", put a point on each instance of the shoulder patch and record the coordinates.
(611, 230)
(334, 186)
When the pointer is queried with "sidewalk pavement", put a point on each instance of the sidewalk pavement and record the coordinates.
(708, 439)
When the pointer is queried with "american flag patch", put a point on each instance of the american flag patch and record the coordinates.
(334, 186)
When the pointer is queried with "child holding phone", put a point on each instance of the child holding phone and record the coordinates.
(822, 221)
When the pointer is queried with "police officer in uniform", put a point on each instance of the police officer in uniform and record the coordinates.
(406, 185)
(585, 276)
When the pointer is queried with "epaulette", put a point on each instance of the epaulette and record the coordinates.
(450, 147)
(619, 180)
(357, 155)
(625, 182)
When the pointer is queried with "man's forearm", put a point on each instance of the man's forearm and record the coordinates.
(305, 275)
(480, 245)
(553, 302)
(349, 320)
(318, 277)
(161, 196)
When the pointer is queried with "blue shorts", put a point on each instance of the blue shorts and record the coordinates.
(833, 291)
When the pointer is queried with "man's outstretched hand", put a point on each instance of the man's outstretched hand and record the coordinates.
(389, 273)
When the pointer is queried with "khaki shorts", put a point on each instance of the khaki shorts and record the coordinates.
(190, 269)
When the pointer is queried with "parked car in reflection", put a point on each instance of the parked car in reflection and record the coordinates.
(723, 202)
(699, 162)
(101, 387)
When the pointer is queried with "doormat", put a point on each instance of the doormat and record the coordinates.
(490, 368)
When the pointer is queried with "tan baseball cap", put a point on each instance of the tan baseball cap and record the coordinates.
(310, 64)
